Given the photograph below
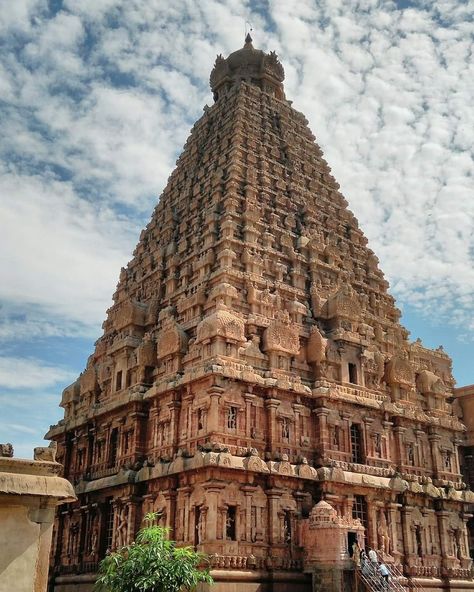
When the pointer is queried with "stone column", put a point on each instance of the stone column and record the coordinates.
(398, 432)
(271, 406)
(249, 398)
(393, 510)
(273, 496)
(371, 522)
(213, 489)
(322, 415)
(174, 408)
(345, 416)
(407, 534)
(386, 426)
(367, 446)
(442, 517)
(248, 491)
(133, 510)
(434, 439)
(298, 409)
(183, 526)
(170, 497)
(215, 394)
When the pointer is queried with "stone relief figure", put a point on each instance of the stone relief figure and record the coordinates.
(383, 536)
(200, 526)
(94, 540)
(122, 527)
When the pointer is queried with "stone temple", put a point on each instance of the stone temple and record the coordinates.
(253, 377)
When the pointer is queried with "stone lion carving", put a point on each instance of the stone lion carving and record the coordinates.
(46, 453)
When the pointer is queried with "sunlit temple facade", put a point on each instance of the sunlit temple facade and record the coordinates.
(253, 365)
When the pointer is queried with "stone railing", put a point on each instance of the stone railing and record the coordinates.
(360, 392)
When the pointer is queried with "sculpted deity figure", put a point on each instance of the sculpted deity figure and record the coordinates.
(122, 527)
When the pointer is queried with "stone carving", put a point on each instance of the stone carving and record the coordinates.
(121, 530)
(344, 304)
(400, 371)
(46, 453)
(429, 383)
(251, 327)
(171, 339)
(316, 346)
(222, 323)
(281, 335)
(6, 450)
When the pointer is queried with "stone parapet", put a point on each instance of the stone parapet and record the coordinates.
(30, 490)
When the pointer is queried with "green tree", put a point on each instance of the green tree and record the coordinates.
(152, 563)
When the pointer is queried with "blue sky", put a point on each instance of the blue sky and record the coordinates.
(97, 98)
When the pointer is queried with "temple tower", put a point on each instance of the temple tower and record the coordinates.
(253, 364)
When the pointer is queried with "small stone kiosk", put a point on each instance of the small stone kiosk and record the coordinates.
(328, 540)
(30, 490)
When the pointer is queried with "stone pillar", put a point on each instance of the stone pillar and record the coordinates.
(133, 511)
(170, 497)
(372, 523)
(271, 406)
(398, 432)
(442, 517)
(386, 426)
(407, 534)
(345, 416)
(248, 491)
(298, 409)
(273, 496)
(393, 510)
(367, 446)
(434, 439)
(249, 398)
(174, 408)
(215, 394)
(213, 489)
(322, 415)
(183, 526)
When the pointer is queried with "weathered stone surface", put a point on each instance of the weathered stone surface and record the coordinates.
(29, 492)
(253, 363)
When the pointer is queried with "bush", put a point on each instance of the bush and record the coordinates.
(152, 563)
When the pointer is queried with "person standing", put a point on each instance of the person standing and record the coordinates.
(385, 573)
(373, 556)
(356, 553)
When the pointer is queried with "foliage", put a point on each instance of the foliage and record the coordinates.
(153, 563)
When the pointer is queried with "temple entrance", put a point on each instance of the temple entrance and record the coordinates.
(351, 539)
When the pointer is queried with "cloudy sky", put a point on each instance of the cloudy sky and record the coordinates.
(97, 98)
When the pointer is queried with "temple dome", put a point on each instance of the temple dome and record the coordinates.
(250, 65)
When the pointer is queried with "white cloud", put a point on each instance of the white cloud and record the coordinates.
(96, 115)
(20, 373)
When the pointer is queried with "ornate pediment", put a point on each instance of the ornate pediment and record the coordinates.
(281, 335)
(400, 371)
(172, 339)
(344, 304)
(222, 323)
